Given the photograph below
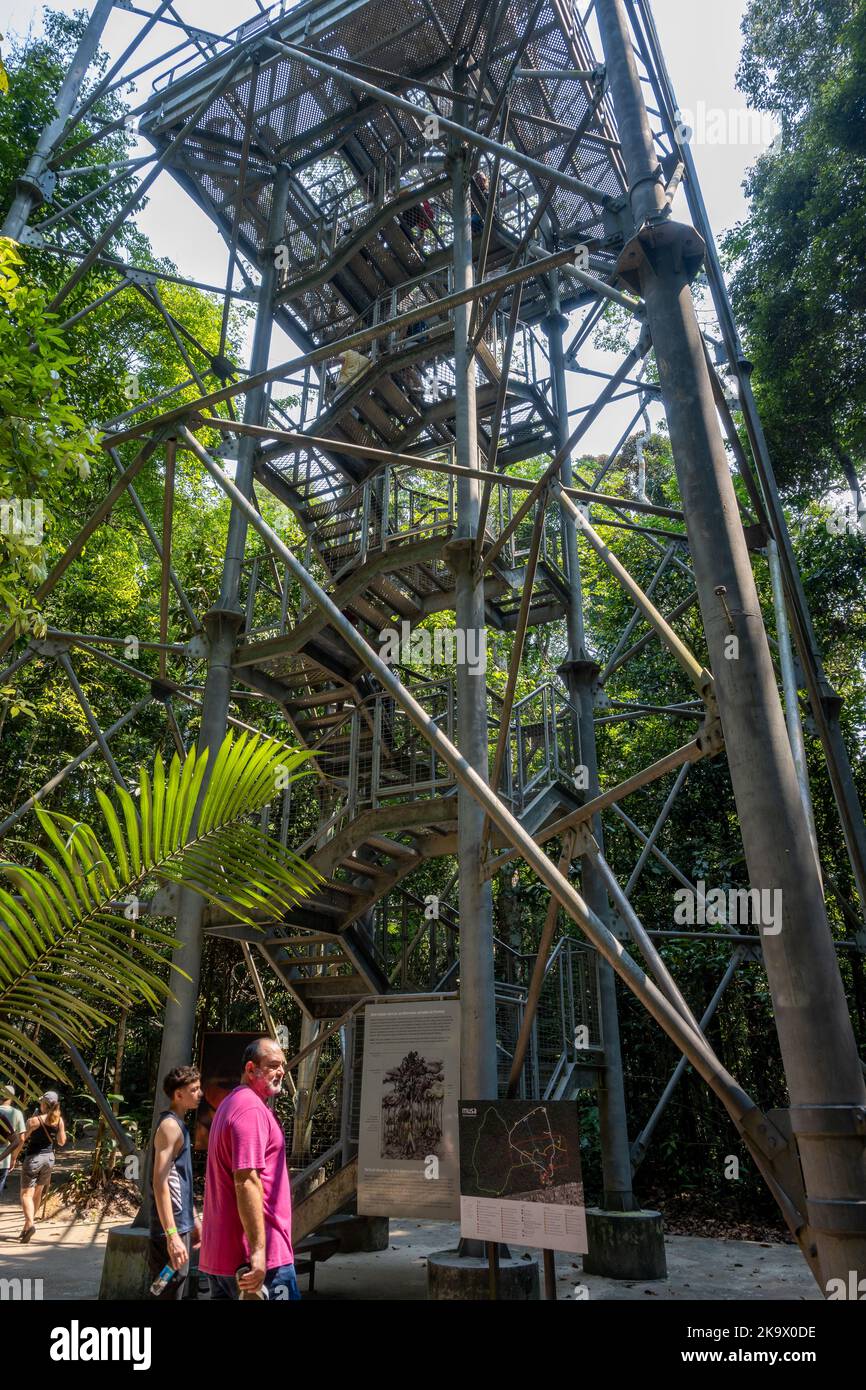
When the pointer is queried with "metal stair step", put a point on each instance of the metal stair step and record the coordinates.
(319, 905)
(361, 866)
(312, 940)
(329, 984)
(324, 721)
(295, 962)
(353, 889)
(392, 847)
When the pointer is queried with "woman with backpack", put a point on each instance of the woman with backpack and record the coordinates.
(45, 1130)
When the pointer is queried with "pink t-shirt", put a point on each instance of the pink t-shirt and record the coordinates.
(244, 1134)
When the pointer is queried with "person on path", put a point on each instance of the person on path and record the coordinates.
(12, 1129)
(247, 1218)
(45, 1131)
(174, 1226)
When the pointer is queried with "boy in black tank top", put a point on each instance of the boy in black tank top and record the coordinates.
(174, 1225)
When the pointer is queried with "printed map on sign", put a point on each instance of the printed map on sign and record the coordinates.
(507, 1159)
(520, 1177)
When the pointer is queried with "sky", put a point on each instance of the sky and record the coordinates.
(702, 57)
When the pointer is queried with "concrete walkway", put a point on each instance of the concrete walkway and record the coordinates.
(697, 1269)
(67, 1256)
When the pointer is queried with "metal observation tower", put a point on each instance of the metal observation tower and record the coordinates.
(438, 201)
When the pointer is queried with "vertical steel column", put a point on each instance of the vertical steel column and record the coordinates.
(581, 675)
(29, 192)
(222, 626)
(307, 1071)
(478, 1012)
(789, 689)
(825, 1080)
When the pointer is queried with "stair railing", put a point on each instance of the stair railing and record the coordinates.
(543, 747)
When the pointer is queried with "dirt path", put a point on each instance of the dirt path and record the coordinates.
(66, 1254)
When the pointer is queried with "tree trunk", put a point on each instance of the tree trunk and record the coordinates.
(852, 481)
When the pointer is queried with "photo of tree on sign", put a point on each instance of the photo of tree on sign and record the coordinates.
(412, 1110)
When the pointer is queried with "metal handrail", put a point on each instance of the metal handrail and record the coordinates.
(221, 43)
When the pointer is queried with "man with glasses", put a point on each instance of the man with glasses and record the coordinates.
(247, 1219)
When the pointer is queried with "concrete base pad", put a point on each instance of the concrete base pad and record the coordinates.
(625, 1245)
(357, 1233)
(125, 1273)
(458, 1278)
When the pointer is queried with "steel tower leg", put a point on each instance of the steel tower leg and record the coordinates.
(789, 689)
(29, 192)
(222, 625)
(825, 1080)
(580, 674)
(478, 1009)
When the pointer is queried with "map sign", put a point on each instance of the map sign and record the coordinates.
(520, 1178)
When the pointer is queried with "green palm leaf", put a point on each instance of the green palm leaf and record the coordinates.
(68, 952)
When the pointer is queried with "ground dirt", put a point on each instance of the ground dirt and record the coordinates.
(700, 1214)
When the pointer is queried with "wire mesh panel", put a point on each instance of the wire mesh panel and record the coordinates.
(543, 746)
(509, 1017)
(327, 1116)
(566, 1027)
(568, 1021)
(404, 763)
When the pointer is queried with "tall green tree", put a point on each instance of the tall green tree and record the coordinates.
(799, 258)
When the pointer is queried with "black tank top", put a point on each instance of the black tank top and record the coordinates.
(42, 1138)
(179, 1182)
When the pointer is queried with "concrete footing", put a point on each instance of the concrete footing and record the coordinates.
(125, 1273)
(357, 1234)
(458, 1278)
(625, 1245)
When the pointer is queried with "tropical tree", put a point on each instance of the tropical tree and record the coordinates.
(69, 952)
(799, 286)
(43, 441)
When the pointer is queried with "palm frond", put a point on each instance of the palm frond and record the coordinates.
(72, 945)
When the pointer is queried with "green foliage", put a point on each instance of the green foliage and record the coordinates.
(789, 49)
(799, 286)
(68, 953)
(108, 362)
(43, 441)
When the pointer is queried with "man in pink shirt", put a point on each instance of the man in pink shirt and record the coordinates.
(247, 1217)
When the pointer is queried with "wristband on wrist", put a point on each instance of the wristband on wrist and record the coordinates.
(171, 1230)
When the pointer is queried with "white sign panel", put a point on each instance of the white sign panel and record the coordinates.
(408, 1162)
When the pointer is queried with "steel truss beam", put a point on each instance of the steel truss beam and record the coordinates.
(329, 351)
